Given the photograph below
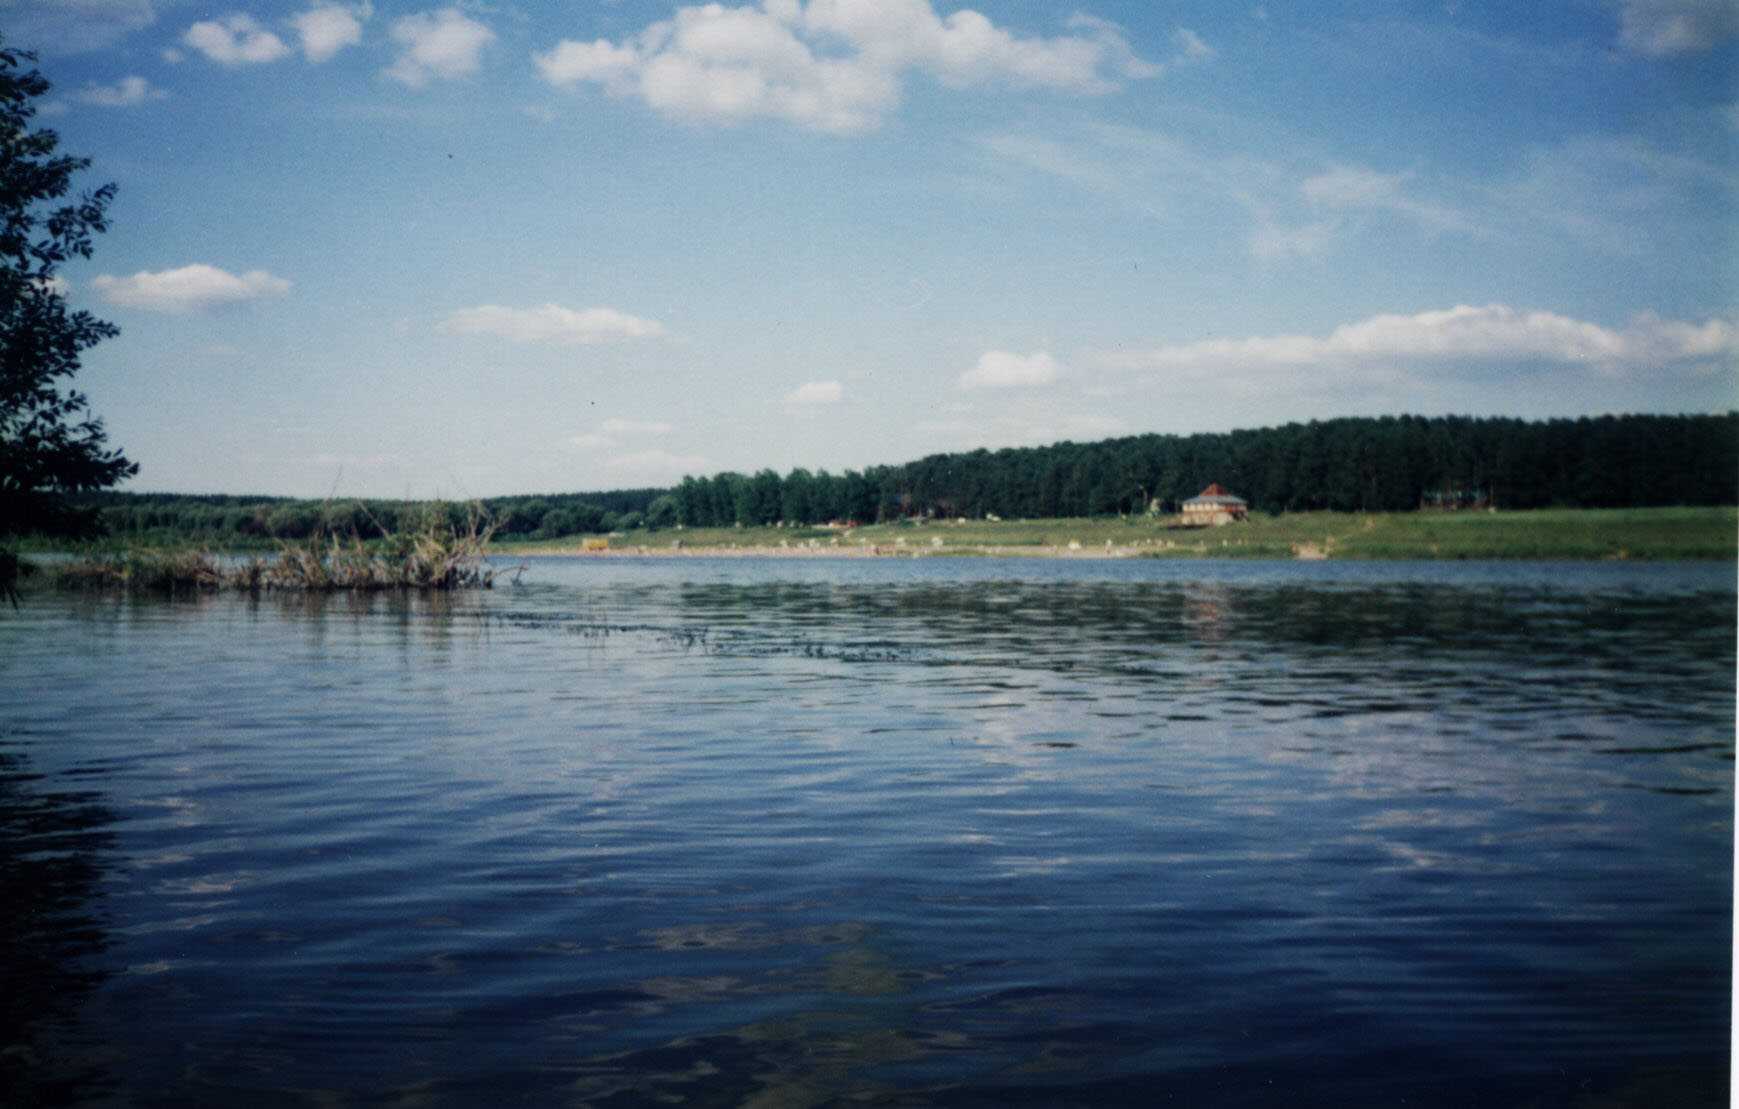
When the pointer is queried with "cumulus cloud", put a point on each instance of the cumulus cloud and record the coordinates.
(125, 93)
(235, 40)
(550, 323)
(830, 65)
(1488, 333)
(1001, 369)
(438, 45)
(815, 394)
(325, 29)
(1658, 28)
(188, 289)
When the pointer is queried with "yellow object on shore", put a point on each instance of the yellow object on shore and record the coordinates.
(596, 544)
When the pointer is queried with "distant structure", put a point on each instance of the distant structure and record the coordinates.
(1214, 505)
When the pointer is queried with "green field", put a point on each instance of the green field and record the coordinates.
(1640, 533)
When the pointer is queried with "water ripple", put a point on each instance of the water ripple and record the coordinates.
(917, 834)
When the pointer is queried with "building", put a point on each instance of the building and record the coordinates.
(1214, 505)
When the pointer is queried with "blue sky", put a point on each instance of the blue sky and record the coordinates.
(399, 249)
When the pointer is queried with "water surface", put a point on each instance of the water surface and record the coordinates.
(910, 832)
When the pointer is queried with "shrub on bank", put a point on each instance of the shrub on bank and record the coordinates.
(435, 553)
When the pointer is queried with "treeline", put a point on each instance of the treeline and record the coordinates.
(1391, 463)
(232, 519)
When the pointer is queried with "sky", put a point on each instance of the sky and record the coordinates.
(400, 249)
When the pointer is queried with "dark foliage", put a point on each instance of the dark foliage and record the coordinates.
(228, 520)
(50, 446)
(1393, 463)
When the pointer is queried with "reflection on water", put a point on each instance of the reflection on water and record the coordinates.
(886, 833)
(54, 849)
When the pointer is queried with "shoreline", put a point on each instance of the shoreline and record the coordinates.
(1566, 535)
(1062, 554)
(1582, 535)
(883, 550)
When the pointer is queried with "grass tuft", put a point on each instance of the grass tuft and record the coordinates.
(434, 554)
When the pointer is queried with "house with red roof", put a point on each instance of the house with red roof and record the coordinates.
(1214, 505)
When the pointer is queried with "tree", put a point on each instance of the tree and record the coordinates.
(662, 512)
(50, 446)
(797, 497)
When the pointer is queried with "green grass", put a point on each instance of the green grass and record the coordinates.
(1642, 533)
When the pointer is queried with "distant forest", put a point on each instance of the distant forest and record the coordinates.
(1391, 463)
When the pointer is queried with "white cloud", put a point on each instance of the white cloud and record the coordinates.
(188, 289)
(125, 93)
(1659, 28)
(326, 29)
(1001, 369)
(615, 425)
(591, 441)
(235, 40)
(1489, 333)
(830, 65)
(814, 394)
(439, 45)
(550, 323)
(1119, 58)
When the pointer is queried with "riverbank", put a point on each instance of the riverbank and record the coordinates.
(1578, 534)
(434, 556)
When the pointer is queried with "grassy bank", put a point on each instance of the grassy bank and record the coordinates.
(1643, 533)
(434, 556)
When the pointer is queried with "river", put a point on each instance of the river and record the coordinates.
(901, 832)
